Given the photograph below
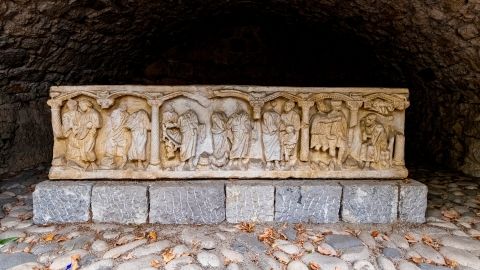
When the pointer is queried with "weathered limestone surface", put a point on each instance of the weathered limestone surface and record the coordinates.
(249, 201)
(182, 132)
(369, 201)
(413, 201)
(120, 203)
(61, 202)
(199, 202)
(307, 201)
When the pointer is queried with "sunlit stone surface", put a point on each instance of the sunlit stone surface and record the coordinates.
(148, 132)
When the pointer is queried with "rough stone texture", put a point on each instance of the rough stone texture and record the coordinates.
(120, 203)
(433, 47)
(369, 201)
(413, 201)
(312, 201)
(249, 202)
(61, 202)
(199, 202)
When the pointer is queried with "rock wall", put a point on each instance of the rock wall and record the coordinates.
(432, 47)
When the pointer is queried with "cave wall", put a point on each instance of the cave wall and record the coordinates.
(431, 47)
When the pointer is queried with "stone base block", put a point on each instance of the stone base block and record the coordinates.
(250, 201)
(370, 201)
(120, 202)
(61, 202)
(308, 201)
(193, 202)
(413, 201)
(209, 202)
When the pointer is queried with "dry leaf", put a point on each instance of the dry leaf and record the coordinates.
(75, 262)
(314, 266)
(62, 239)
(374, 233)
(152, 236)
(451, 263)
(410, 238)
(324, 251)
(451, 214)
(155, 263)
(300, 228)
(246, 227)
(427, 240)
(319, 237)
(48, 237)
(352, 231)
(168, 255)
(417, 260)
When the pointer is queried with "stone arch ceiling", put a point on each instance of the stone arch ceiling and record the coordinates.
(430, 46)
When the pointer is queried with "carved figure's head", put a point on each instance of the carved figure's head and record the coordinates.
(289, 105)
(84, 105)
(72, 105)
(290, 129)
(370, 119)
(123, 106)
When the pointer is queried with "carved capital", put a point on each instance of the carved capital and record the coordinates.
(257, 108)
(55, 104)
(154, 102)
(354, 105)
(306, 103)
(105, 103)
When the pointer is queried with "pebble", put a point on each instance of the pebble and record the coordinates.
(266, 262)
(392, 253)
(326, 262)
(44, 248)
(428, 253)
(12, 233)
(460, 242)
(309, 247)
(232, 255)
(40, 230)
(110, 235)
(191, 237)
(15, 259)
(460, 256)
(406, 265)
(289, 249)
(363, 265)
(191, 267)
(125, 239)
(9, 222)
(233, 266)
(140, 263)
(385, 264)
(156, 247)
(28, 266)
(116, 252)
(178, 262)
(297, 265)
(327, 248)
(399, 241)
(180, 250)
(99, 246)
(354, 254)
(61, 262)
(99, 265)
(425, 266)
(207, 259)
(281, 257)
(342, 241)
(367, 239)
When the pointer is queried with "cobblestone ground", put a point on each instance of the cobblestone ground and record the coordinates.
(449, 240)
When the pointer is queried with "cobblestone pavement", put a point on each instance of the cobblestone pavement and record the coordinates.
(449, 240)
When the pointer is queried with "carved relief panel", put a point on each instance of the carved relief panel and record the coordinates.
(148, 132)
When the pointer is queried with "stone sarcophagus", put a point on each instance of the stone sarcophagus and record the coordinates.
(159, 132)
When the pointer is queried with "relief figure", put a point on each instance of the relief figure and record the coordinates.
(291, 123)
(338, 133)
(70, 128)
(117, 139)
(374, 148)
(89, 122)
(171, 133)
(189, 129)
(240, 127)
(139, 125)
(271, 137)
(220, 134)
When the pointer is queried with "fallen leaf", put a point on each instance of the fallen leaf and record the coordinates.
(75, 262)
(451, 214)
(48, 237)
(168, 255)
(410, 238)
(324, 251)
(300, 228)
(417, 260)
(314, 266)
(247, 227)
(62, 239)
(352, 232)
(152, 236)
(155, 263)
(451, 263)
(427, 240)
(374, 233)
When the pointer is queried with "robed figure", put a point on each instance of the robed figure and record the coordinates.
(86, 135)
(271, 136)
(221, 145)
(139, 125)
(70, 121)
(241, 130)
(188, 125)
